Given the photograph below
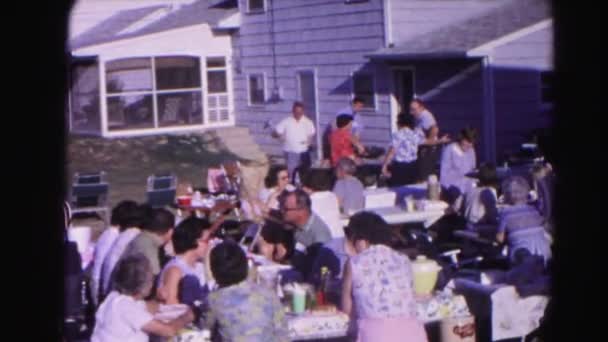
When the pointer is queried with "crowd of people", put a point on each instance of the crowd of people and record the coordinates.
(148, 257)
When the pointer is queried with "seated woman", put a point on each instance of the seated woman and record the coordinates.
(521, 225)
(124, 315)
(277, 244)
(348, 188)
(275, 182)
(380, 283)
(242, 310)
(458, 159)
(190, 243)
(480, 202)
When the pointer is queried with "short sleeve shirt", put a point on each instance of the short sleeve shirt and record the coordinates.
(121, 318)
(315, 231)
(405, 142)
(341, 145)
(426, 120)
(296, 133)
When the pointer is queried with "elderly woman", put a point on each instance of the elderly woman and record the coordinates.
(521, 225)
(348, 188)
(124, 315)
(380, 283)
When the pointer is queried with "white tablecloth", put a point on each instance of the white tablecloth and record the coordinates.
(317, 326)
(513, 316)
(398, 215)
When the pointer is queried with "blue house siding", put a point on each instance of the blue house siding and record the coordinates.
(330, 37)
(517, 66)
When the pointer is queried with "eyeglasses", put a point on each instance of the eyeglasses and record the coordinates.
(289, 209)
(284, 178)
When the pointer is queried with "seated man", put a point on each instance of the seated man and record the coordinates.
(241, 309)
(323, 201)
(156, 232)
(348, 189)
(296, 208)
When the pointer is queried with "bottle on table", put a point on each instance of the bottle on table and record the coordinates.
(323, 288)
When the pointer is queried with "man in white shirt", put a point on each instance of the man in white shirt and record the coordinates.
(296, 132)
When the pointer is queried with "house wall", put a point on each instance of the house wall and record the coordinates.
(328, 36)
(517, 66)
(411, 18)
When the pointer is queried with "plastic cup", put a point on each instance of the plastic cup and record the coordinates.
(298, 301)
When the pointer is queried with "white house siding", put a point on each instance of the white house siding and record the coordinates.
(517, 65)
(328, 36)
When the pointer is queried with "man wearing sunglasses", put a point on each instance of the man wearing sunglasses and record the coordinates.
(295, 207)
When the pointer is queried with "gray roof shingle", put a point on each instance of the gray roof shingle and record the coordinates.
(195, 13)
(455, 40)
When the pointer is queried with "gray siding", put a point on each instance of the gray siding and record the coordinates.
(411, 18)
(328, 36)
(534, 50)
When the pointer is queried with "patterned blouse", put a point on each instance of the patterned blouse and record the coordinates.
(382, 284)
(247, 312)
(405, 142)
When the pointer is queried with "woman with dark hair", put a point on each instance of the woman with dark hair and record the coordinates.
(190, 243)
(242, 310)
(458, 159)
(124, 315)
(379, 282)
(275, 182)
(403, 153)
(480, 202)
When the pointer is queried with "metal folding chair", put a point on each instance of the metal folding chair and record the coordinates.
(89, 194)
(160, 191)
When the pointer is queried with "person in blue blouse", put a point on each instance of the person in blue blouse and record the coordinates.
(243, 311)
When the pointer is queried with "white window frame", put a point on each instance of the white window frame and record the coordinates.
(169, 129)
(217, 96)
(249, 103)
(256, 11)
(374, 90)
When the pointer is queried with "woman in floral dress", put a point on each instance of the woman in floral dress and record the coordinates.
(378, 281)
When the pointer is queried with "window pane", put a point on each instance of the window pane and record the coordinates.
(180, 109)
(130, 112)
(216, 62)
(255, 5)
(256, 89)
(84, 97)
(363, 86)
(132, 74)
(224, 115)
(212, 101)
(177, 72)
(213, 115)
(216, 81)
(223, 100)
